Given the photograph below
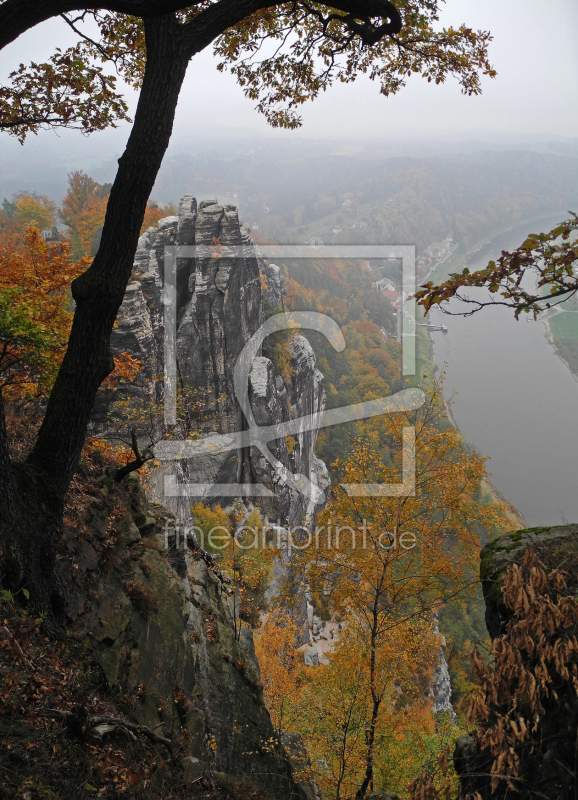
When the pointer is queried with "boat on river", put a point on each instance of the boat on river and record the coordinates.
(430, 327)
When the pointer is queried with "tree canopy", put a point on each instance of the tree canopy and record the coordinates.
(282, 55)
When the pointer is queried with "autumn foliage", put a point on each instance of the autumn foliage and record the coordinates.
(84, 210)
(526, 708)
(282, 668)
(35, 276)
(154, 213)
(35, 313)
(381, 566)
(25, 210)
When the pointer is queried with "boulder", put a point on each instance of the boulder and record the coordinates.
(311, 657)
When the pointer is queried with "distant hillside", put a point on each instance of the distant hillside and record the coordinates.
(294, 189)
(350, 200)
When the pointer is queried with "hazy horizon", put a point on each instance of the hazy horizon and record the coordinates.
(526, 105)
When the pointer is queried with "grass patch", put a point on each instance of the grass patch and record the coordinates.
(568, 350)
(564, 325)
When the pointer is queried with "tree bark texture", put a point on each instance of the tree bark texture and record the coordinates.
(100, 290)
(31, 513)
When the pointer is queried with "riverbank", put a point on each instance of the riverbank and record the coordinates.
(561, 322)
(460, 257)
(562, 332)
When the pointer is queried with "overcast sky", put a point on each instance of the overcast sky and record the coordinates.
(536, 91)
(534, 51)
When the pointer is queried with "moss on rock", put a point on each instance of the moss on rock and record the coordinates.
(158, 624)
(557, 547)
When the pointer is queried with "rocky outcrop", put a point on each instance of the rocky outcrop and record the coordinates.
(441, 688)
(274, 286)
(298, 757)
(221, 295)
(157, 622)
(532, 691)
(183, 635)
(556, 547)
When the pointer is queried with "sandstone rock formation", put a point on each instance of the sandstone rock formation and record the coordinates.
(221, 293)
(220, 298)
(158, 624)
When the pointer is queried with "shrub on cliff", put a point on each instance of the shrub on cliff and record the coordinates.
(525, 709)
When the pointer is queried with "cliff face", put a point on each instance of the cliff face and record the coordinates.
(156, 621)
(220, 299)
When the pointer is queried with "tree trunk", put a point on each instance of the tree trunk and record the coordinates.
(100, 290)
(368, 778)
(31, 515)
(376, 702)
(6, 477)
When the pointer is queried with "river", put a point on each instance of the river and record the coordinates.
(513, 399)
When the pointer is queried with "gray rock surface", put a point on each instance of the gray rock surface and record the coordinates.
(311, 657)
(296, 753)
(220, 305)
(158, 624)
(441, 688)
(275, 287)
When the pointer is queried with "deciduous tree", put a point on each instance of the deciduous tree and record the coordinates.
(35, 314)
(34, 210)
(83, 210)
(387, 562)
(282, 669)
